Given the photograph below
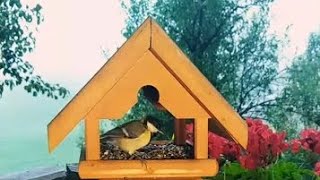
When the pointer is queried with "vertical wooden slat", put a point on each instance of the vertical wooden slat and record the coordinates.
(92, 135)
(201, 138)
(179, 132)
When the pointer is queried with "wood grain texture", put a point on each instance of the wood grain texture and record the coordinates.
(148, 169)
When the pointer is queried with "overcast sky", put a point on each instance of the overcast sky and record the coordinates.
(70, 40)
(72, 36)
(302, 15)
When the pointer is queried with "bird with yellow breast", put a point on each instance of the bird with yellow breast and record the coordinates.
(133, 135)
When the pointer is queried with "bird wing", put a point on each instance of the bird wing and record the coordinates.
(131, 129)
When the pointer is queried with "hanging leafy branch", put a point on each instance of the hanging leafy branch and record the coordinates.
(18, 23)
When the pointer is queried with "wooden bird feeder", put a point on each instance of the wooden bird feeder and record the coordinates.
(151, 58)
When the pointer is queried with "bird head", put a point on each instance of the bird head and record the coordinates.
(153, 128)
(151, 125)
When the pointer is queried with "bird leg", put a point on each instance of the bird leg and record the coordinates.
(134, 155)
(138, 155)
(144, 163)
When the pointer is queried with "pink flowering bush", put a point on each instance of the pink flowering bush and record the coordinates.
(265, 146)
(309, 140)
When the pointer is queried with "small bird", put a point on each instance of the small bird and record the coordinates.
(133, 135)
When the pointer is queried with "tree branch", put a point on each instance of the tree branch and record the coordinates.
(263, 103)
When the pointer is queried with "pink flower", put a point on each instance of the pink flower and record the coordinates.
(317, 169)
(316, 148)
(308, 133)
(310, 140)
(295, 146)
(248, 162)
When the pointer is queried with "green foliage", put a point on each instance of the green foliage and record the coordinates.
(227, 40)
(304, 159)
(289, 170)
(17, 25)
(301, 97)
(298, 105)
(282, 121)
(281, 170)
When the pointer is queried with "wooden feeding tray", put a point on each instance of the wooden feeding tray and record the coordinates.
(149, 59)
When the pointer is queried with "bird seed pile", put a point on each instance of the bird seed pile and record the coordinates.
(151, 151)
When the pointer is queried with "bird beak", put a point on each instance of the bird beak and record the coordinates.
(152, 128)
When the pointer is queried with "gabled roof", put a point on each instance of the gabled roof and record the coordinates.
(149, 39)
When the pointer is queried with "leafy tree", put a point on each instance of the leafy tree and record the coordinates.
(226, 39)
(301, 96)
(17, 25)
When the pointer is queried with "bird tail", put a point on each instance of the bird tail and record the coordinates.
(113, 141)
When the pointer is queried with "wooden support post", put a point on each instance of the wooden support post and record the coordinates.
(179, 132)
(201, 138)
(92, 136)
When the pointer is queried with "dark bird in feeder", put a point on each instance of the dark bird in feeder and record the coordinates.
(133, 135)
